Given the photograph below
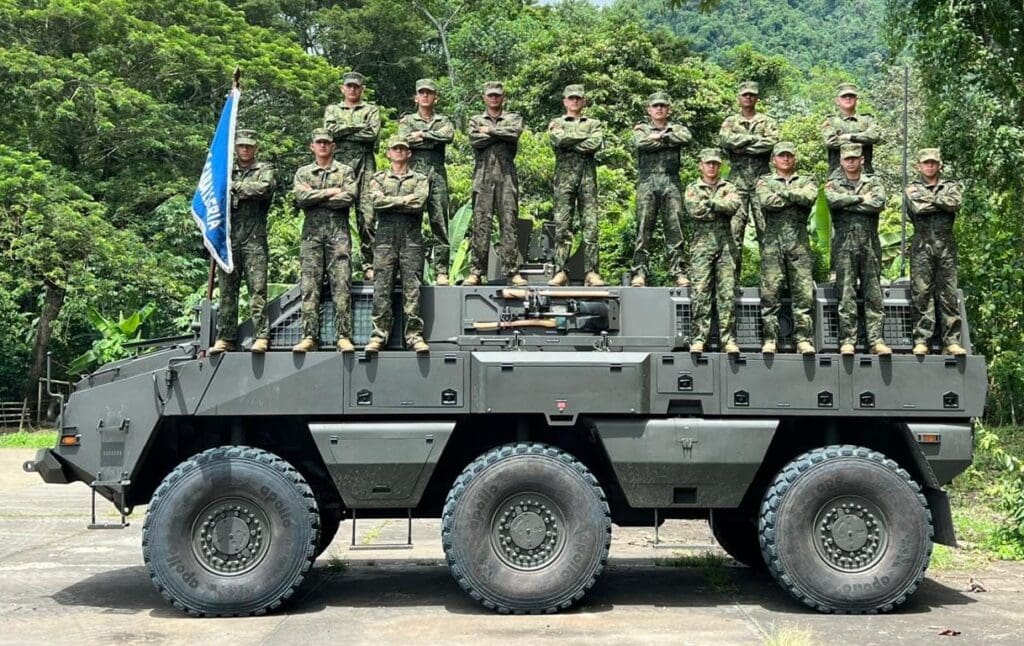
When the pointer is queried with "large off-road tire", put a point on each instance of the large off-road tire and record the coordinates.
(230, 531)
(526, 529)
(844, 529)
(737, 533)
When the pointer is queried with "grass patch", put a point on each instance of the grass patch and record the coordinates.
(790, 636)
(712, 567)
(28, 440)
(374, 533)
(336, 564)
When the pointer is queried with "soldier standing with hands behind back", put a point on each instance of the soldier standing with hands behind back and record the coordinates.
(576, 139)
(252, 187)
(355, 126)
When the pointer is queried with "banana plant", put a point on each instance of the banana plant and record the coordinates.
(113, 335)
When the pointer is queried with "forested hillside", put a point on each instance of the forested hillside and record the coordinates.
(109, 105)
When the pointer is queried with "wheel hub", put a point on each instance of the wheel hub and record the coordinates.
(527, 531)
(231, 536)
(851, 534)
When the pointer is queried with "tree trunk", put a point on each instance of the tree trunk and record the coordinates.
(53, 301)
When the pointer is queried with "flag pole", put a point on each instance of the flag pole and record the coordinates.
(236, 84)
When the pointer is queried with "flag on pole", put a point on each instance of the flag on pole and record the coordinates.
(211, 204)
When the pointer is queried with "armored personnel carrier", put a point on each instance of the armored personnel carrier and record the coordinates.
(542, 418)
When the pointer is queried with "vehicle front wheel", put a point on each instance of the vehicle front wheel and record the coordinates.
(230, 531)
(526, 529)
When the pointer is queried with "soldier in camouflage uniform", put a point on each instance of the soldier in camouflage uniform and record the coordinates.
(711, 203)
(659, 193)
(325, 190)
(846, 127)
(576, 139)
(355, 126)
(398, 196)
(427, 133)
(855, 199)
(933, 204)
(252, 188)
(494, 136)
(747, 138)
(782, 203)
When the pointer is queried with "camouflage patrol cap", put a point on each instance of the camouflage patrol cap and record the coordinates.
(573, 90)
(426, 84)
(493, 87)
(710, 155)
(321, 134)
(246, 138)
(846, 88)
(784, 147)
(397, 142)
(850, 150)
(929, 154)
(659, 98)
(749, 87)
(353, 78)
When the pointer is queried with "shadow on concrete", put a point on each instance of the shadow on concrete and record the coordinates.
(404, 584)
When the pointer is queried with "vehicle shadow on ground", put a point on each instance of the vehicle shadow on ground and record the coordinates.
(403, 584)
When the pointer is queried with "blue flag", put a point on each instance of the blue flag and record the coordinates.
(211, 205)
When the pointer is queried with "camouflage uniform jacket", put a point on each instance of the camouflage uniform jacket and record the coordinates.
(709, 203)
(312, 181)
(860, 128)
(575, 140)
(659, 155)
(392, 193)
(749, 144)
(933, 207)
(855, 202)
(785, 203)
(428, 152)
(251, 190)
(355, 130)
(495, 150)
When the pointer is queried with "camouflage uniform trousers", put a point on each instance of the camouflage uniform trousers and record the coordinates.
(934, 277)
(249, 252)
(499, 194)
(711, 268)
(365, 165)
(326, 245)
(858, 259)
(437, 211)
(576, 190)
(656, 195)
(745, 187)
(399, 246)
(786, 259)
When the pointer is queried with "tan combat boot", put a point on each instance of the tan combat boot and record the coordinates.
(516, 280)
(307, 344)
(593, 279)
(419, 346)
(805, 347)
(731, 348)
(682, 281)
(847, 350)
(881, 349)
(768, 347)
(368, 275)
(697, 347)
(639, 280)
(374, 346)
(259, 346)
(471, 280)
(559, 280)
(442, 280)
(345, 345)
(221, 346)
(955, 349)
(920, 349)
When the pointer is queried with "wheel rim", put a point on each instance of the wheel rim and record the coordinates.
(527, 531)
(851, 534)
(231, 536)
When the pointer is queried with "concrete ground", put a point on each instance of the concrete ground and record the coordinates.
(62, 583)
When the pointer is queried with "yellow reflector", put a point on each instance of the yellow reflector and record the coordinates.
(70, 440)
(929, 438)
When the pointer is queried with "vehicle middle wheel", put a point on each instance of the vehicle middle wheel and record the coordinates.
(526, 529)
(736, 531)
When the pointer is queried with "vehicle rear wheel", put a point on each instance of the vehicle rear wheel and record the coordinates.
(737, 533)
(230, 531)
(845, 529)
(330, 521)
(526, 529)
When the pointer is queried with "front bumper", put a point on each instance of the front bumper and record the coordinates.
(48, 466)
